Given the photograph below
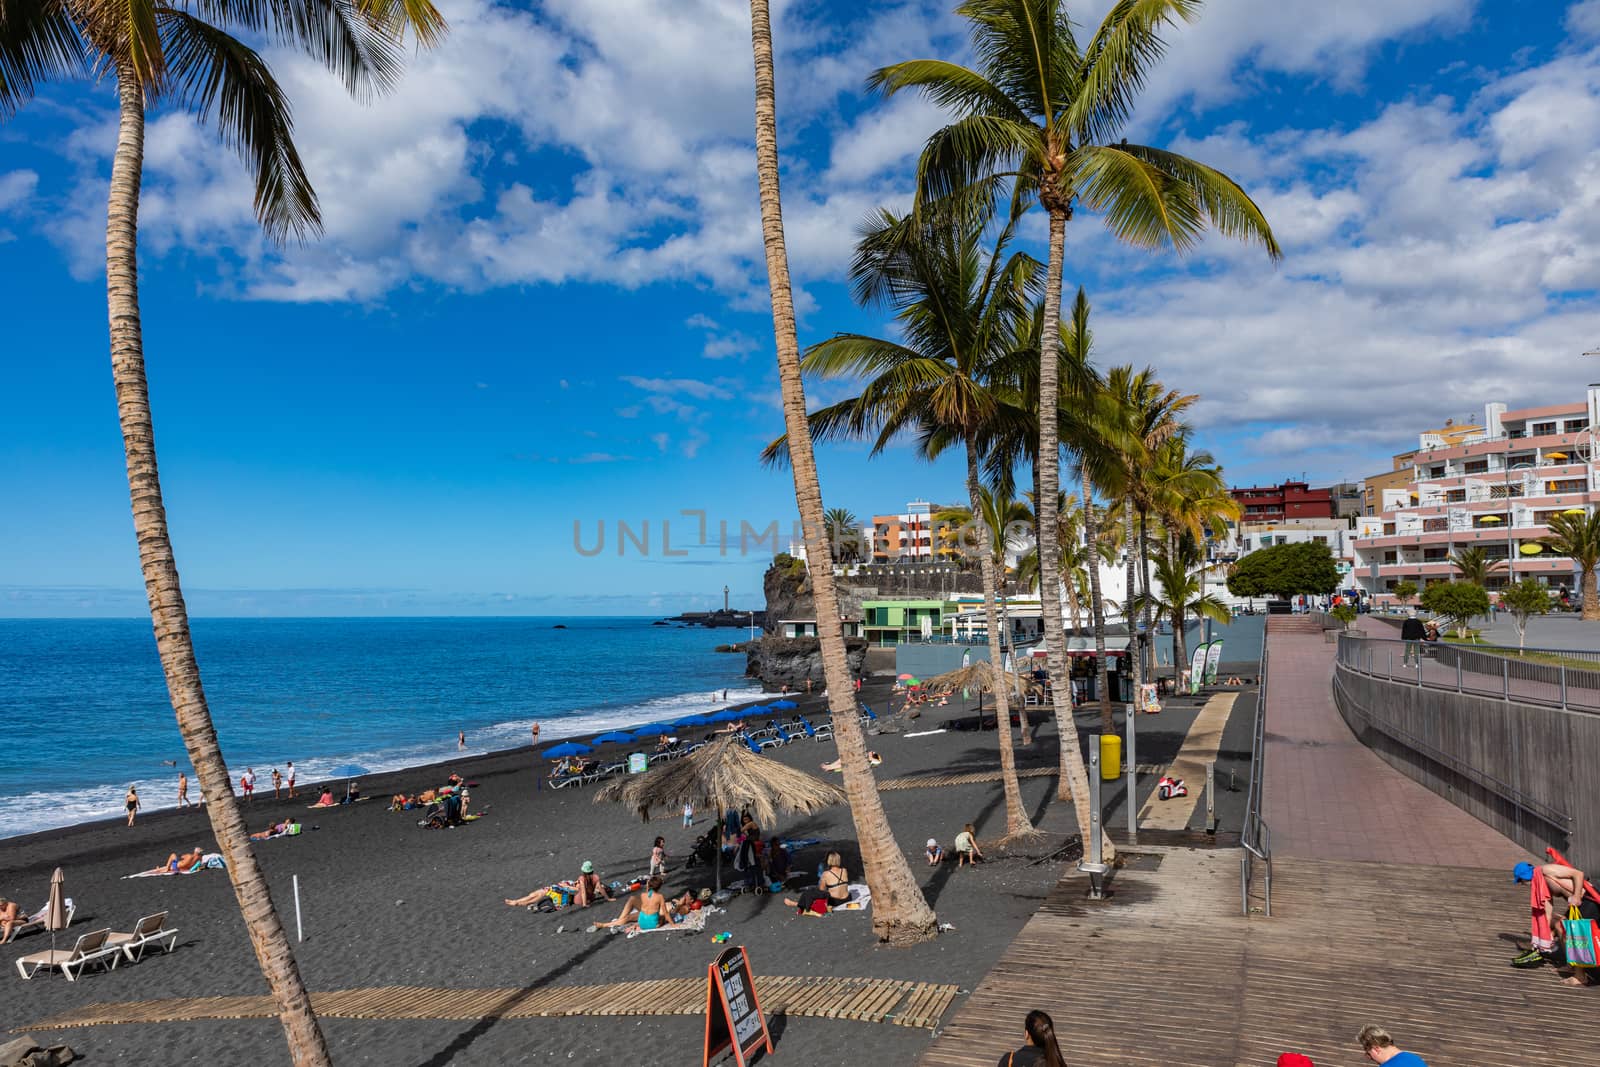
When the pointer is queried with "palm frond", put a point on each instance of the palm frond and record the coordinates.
(420, 17)
(1224, 203)
(126, 38)
(212, 71)
(961, 155)
(341, 36)
(1117, 61)
(38, 41)
(1143, 205)
(950, 85)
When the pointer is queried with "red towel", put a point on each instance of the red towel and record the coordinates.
(1588, 886)
(1294, 1059)
(1539, 896)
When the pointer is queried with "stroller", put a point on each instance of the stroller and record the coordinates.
(705, 851)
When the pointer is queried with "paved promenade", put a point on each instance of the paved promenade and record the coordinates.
(1389, 907)
(1328, 796)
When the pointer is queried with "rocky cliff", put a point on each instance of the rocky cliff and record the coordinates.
(780, 661)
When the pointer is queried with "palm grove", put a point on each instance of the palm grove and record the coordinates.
(1036, 123)
(981, 362)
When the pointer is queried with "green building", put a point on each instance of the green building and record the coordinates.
(895, 622)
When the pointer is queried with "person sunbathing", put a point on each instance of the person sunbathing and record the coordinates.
(590, 887)
(278, 829)
(873, 760)
(833, 888)
(532, 898)
(177, 864)
(10, 915)
(649, 908)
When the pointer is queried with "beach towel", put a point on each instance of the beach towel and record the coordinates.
(1539, 922)
(860, 897)
(693, 923)
(209, 861)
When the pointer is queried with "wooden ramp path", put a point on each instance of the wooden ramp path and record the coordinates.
(935, 781)
(1167, 971)
(871, 1000)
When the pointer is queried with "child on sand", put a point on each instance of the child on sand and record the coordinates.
(967, 850)
(658, 858)
(935, 853)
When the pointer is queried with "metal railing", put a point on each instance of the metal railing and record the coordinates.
(1508, 674)
(1256, 837)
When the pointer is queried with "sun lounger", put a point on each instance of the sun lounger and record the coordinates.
(150, 931)
(91, 950)
(36, 921)
(818, 733)
(565, 780)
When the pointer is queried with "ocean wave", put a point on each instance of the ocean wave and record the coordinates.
(28, 813)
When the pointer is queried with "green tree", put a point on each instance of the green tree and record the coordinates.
(1284, 571)
(1456, 600)
(1474, 564)
(1345, 613)
(1524, 600)
(1044, 115)
(1404, 591)
(900, 912)
(844, 534)
(1178, 569)
(162, 53)
(960, 308)
(1578, 538)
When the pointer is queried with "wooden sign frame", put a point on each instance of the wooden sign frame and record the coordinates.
(720, 1020)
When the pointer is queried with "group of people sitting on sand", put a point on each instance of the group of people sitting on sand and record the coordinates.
(455, 785)
(328, 800)
(287, 828)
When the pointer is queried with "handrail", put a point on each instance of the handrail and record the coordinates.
(1480, 670)
(1256, 835)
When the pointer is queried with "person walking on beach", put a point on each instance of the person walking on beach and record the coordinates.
(132, 802)
(247, 782)
(183, 791)
(688, 814)
(1380, 1048)
(1041, 1050)
(277, 784)
(658, 858)
(535, 729)
(290, 776)
(461, 741)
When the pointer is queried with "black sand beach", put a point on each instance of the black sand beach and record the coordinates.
(387, 903)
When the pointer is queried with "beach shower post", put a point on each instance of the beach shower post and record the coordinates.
(1093, 864)
(299, 932)
(1133, 774)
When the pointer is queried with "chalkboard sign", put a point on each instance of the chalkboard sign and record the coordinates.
(733, 1012)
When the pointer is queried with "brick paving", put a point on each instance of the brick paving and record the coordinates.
(1327, 796)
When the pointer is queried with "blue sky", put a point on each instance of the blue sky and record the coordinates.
(540, 298)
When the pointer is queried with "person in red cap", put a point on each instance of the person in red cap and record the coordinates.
(1294, 1059)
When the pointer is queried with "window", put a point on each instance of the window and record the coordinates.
(1456, 496)
(1476, 466)
(1575, 425)
(1541, 429)
(1319, 539)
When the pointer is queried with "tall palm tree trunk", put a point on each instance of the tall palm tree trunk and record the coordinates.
(167, 612)
(1017, 822)
(1074, 781)
(1097, 608)
(900, 913)
(1591, 596)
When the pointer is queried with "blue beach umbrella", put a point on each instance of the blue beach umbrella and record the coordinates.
(567, 748)
(349, 770)
(784, 705)
(615, 737)
(728, 715)
(691, 720)
(655, 729)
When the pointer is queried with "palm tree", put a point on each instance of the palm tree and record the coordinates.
(844, 534)
(1178, 570)
(1045, 114)
(961, 312)
(163, 52)
(900, 912)
(1474, 564)
(1578, 538)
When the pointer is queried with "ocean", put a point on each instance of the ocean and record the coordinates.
(87, 712)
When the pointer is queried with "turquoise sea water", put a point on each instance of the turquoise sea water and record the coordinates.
(89, 698)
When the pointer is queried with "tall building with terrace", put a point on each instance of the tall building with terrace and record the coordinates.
(1496, 488)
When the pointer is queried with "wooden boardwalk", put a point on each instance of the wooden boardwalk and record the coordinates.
(870, 1000)
(936, 781)
(1168, 971)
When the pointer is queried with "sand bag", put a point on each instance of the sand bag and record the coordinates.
(26, 1052)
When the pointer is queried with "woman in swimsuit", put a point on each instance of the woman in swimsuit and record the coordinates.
(132, 801)
(833, 887)
(10, 915)
(650, 908)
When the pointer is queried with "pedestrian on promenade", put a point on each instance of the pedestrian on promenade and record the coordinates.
(1412, 632)
(1555, 887)
(1042, 1050)
(1380, 1048)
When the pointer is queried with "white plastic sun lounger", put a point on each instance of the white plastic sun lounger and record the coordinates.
(152, 930)
(91, 950)
(37, 921)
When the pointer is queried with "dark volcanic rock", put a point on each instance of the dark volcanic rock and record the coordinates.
(780, 661)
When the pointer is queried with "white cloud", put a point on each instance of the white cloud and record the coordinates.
(1583, 18)
(694, 387)
(17, 188)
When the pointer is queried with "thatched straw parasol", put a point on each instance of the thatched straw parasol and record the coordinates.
(724, 774)
(981, 676)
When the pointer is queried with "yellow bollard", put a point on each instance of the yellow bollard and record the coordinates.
(1110, 757)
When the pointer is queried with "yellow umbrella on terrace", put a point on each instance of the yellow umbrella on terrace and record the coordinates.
(1575, 511)
(1491, 519)
(1555, 455)
(1531, 549)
